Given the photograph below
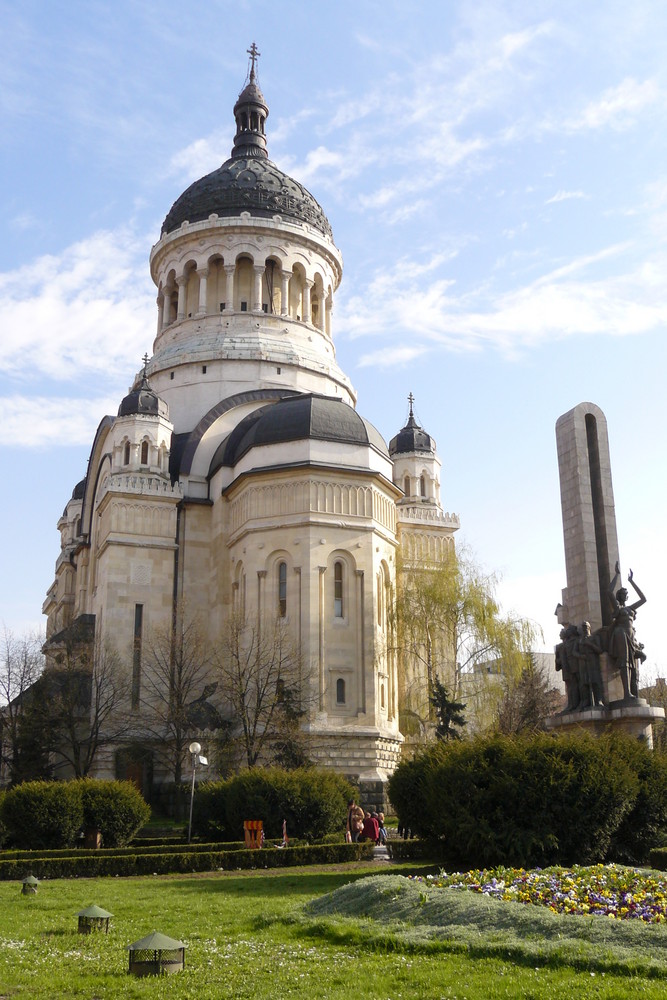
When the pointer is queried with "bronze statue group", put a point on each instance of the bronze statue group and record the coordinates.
(578, 653)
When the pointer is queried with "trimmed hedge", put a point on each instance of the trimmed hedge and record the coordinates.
(116, 808)
(535, 801)
(312, 800)
(51, 814)
(43, 813)
(68, 852)
(95, 865)
(658, 858)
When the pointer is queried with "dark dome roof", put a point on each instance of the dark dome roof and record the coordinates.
(142, 400)
(411, 438)
(79, 490)
(248, 181)
(247, 184)
(295, 418)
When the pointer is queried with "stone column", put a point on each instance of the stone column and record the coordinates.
(284, 292)
(230, 270)
(307, 285)
(182, 282)
(361, 658)
(203, 285)
(589, 518)
(258, 272)
(327, 318)
(320, 643)
(166, 307)
(322, 313)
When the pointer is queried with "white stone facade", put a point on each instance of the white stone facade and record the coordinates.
(181, 505)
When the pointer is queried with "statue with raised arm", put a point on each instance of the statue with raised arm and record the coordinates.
(624, 649)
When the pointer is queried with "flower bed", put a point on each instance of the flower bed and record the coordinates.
(600, 890)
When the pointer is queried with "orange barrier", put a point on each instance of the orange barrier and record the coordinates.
(254, 833)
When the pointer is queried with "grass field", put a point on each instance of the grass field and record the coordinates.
(302, 933)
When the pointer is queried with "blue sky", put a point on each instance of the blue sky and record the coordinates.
(495, 177)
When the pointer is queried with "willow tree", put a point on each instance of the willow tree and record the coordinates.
(448, 626)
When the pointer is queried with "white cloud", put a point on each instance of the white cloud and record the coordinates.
(40, 422)
(564, 196)
(200, 157)
(88, 310)
(391, 357)
(572, 299)
(618, 107)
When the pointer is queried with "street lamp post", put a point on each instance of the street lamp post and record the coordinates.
(194, 749)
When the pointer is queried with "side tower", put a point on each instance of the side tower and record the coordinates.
(426, 542)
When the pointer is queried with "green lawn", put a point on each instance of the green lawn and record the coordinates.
(251, 935)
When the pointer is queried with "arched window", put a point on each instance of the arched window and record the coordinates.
(340, 691)
(282, 589)
(422, 486)
(126, 453)
(338, 590)
(144, 453)
(406, 486)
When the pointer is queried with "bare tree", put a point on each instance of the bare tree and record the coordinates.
(527, 701)
(84, 693)
(21, 664)
(177, 683)
(263, 689)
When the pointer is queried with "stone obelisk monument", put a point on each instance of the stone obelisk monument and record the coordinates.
(599, 654)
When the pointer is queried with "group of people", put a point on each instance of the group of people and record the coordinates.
(364, 825)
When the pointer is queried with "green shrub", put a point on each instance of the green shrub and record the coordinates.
(312, 801)
(114, 807)
(645, 825)
(524, 801)
(43, 814)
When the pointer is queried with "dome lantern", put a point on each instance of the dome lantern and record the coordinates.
(250, 112)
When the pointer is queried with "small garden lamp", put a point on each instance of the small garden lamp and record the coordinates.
(156, 955)
(94, 918)
(30, 884)
(195, 750)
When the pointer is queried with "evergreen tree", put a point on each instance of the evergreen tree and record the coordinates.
(448, 711)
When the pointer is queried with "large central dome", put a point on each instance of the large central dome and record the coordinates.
(248, 181)
(247, 184)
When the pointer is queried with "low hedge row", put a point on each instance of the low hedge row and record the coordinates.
(71, 852)
(96, 865)
(407, 850)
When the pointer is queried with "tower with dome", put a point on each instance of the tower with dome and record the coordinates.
(238, 481)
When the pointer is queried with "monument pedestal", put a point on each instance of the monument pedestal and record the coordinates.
(633, 717)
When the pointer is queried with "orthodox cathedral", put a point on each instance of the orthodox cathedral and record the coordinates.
(238, 477)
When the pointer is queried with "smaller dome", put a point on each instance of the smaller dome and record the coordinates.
(411, 438)
(143, 400)
(79, 490)
(296, 418)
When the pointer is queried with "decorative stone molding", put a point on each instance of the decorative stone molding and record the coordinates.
(312, 496)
